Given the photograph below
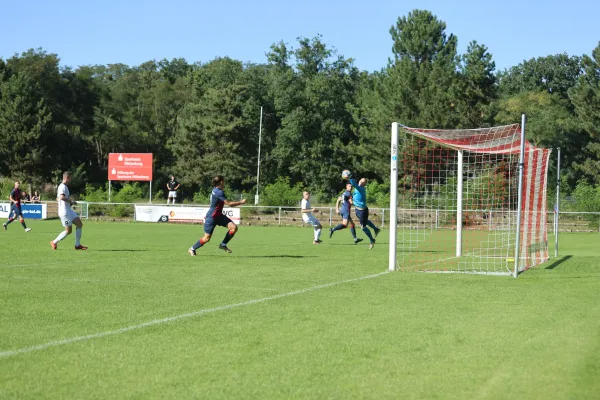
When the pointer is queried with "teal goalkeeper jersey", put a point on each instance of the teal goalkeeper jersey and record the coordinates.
(359, 195)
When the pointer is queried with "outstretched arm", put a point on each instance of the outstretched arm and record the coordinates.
(234, 203)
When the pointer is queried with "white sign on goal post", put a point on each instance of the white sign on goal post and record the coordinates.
(393, 197)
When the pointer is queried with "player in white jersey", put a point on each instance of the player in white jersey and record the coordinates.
(308, 218)
(67, 216)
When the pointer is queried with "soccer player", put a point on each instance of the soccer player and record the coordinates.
(15, 208)
(346, 200)
(214, 216)
(172, 187)
(308, 218)
(359, 199)
(67, 216)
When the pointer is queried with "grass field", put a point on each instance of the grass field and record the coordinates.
(137, 317)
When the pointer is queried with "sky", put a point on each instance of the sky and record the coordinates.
(135, 31)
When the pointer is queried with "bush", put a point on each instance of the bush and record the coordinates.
(95, 195)
(201, 197)
(378, 194)
(6, 185)
(281, 193)
(587, 197)
(129, 193)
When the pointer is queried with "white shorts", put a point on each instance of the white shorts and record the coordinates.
(172, 194)
(67, 220)
(312, 221)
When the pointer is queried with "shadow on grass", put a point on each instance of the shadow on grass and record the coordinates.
(558, 262)
(127, 250)
(280, 256)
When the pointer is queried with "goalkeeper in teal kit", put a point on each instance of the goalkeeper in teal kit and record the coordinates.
(359, 197)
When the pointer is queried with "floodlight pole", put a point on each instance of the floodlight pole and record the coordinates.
(393, 197)
(520, 196)
(557, 206)
(256, 199)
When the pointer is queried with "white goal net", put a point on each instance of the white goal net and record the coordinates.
(460, 197)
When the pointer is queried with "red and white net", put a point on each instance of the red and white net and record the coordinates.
(429, 200)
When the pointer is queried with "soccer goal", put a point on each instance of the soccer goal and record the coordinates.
(467, 200)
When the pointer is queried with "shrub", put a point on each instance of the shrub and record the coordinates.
(281, 193)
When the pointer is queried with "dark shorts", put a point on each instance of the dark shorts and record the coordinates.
(345, 214)
(211, 223)
(363, 216)
(15, 211)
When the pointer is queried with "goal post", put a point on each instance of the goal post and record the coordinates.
(467, 200)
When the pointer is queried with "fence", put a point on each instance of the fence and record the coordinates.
(291, 216)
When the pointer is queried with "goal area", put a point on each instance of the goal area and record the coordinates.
(467, 200)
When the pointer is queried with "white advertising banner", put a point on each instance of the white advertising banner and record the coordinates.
(180, 214)
(29, 210)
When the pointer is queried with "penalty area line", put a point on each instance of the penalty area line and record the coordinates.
(47, 345)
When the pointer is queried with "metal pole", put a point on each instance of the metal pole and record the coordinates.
(393, 197)
(557, 210)
(258, 162)
(520, 196)
(109, 185)
(150, 196)
(459, 205)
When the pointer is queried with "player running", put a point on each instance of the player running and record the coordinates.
(359, 199)
(15, 208)
(215, 216)
(346, 200)
(308, 218)
(67, 216)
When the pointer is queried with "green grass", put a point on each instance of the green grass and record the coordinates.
(396, 335)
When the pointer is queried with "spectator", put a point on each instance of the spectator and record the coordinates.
(36, 197)
(25, 198)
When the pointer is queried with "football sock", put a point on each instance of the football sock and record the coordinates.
(78, 232)
(228, 237)
(339, 227)
(23, 224)
(372, 225)
(9, 221)
(60, 237)
(198, 244)
(353, 231)
(368, 233)
(317, 233)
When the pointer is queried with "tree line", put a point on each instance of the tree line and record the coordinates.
(321, 114)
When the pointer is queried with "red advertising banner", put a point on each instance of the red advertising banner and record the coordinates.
(130, 167)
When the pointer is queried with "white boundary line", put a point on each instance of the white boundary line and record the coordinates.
(47, 345)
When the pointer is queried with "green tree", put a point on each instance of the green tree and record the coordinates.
(585, 96)
(24, 129)
(313, 89)
(477, 86)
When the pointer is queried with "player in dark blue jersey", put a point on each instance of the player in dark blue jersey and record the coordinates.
(15, 208)
(346, 204)
(215, 216)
